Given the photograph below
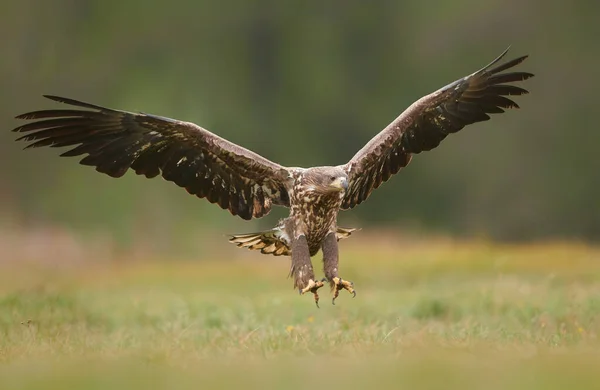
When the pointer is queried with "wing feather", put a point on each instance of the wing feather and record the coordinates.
(206, 165)
(428, 121)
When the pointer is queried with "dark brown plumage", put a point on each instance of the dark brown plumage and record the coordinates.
(428, 121)
(204, 164)
(248, 185)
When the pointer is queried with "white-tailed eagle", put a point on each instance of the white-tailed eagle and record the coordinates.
(248, 185)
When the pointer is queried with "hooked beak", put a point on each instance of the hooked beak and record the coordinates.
(341, 184)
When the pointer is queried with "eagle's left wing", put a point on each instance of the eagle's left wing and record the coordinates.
(428, 121)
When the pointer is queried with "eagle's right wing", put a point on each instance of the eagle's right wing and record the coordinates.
(428, 121)
(205, 164)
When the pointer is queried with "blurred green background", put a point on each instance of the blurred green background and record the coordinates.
(309, 83)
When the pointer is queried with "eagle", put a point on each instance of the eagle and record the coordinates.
(249, 185)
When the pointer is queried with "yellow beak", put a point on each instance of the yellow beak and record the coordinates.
(341, 184)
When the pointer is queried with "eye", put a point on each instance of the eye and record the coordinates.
(333, 178)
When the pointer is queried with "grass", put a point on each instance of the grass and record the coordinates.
(427, 314)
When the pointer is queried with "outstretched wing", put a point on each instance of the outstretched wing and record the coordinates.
(204, 164)
(428, 121)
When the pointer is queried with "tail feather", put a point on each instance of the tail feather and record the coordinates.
(274, 242)
(269, 242)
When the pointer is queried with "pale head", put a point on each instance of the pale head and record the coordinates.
(326, 179)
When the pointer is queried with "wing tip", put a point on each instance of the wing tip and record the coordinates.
(527, 75)
(51, 97)
(73, 102)
(497, 58)
(504, 66)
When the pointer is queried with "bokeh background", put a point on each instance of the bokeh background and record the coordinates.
(308, 83)
(478, 265)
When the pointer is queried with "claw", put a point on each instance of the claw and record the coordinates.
(338, 284)
(312, 287)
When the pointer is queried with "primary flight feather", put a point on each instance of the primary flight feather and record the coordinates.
(248, 184)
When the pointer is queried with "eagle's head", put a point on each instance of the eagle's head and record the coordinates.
(326, 180)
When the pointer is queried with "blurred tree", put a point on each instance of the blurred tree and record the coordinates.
(325, 77)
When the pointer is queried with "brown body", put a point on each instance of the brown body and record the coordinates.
(248, 185)
(315, 203)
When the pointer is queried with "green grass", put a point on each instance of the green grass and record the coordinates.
(431, 314)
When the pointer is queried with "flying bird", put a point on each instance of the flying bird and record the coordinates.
(248, 185)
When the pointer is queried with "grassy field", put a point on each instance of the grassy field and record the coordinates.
(427, 314)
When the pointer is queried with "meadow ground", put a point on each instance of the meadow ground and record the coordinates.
(428, 314)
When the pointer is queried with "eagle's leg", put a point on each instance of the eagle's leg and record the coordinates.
(330, 267)
(302, 269)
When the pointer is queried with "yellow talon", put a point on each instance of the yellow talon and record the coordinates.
(312, 287)
(338, 284)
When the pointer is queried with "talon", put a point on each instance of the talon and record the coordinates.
(338, 284)
(312, 287)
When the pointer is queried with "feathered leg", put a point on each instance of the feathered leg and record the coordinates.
(330, 267)
(302, 269)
